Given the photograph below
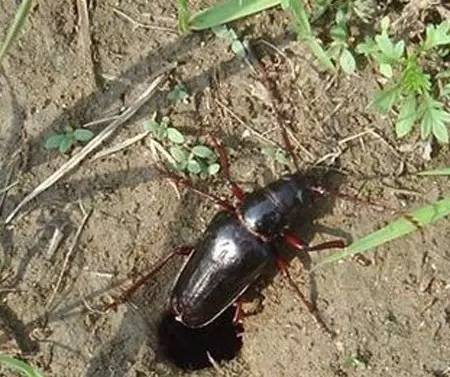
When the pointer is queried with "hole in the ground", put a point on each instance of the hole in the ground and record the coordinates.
(188, 348)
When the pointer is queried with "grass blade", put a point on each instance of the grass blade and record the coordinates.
(228, 11)
(16, 27)
(304, 32)
(440, 171)
(398, 228)
(19, 366)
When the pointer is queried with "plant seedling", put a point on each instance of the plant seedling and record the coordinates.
(339, 49)
(230, 36)
(277, 154)
(196, 159)
(410, 88)
(178, 94)
(64, 141)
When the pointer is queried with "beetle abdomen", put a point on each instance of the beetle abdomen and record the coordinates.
(225, 263)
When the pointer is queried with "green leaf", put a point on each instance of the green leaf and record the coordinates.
(437, 35)
(178, 93)
(347, 62)
(406, 117)
(386, 98)
(440, 131)
(386, 70)
(83, 135)
(66, 143)
(194, 167)
(202, 151)
(228, 11)
(385, 22)
(175, 136)
(213, 169)
(179, 154)
(434, 119)
(367, 48)
(399, 228)
(54, 141)
(19, 366)
(440, 171)
(281, 156)
(285, 4)
(390, 53)
(151, 125)
(15, 28)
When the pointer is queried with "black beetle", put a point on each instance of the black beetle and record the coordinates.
(237, 246)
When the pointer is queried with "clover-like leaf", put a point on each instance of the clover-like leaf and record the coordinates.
(54, 141)
(151, 125)
(202, 151)
(213, 169)
(194, 167)
(178, 153)
(175, 136)
(81, 134)
(66, 143)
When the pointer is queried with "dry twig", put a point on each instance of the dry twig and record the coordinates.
(69, 253)
(88, 148)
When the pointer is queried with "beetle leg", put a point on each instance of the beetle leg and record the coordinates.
(238, 314)
(298, 244)
(125, 296)
(183, 182)
(237, 191)
(312, 308)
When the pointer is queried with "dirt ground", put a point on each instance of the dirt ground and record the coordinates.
(391, 314)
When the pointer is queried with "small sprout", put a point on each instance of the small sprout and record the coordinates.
(277, 154)
(229, 35)
(194, 167)
(175, 136)
(202, 151)
(197, 160)
(213, 169)
(355, 361)
(64, 141)
(178, 94)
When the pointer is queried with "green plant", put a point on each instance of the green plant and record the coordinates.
(339, 49)
(410, 88)
(277, 154)
(305, 33)
(65, 140)
(197, 159)
(178, 93)
(19, 366)
(406, 224)
(355, 361)
(231, 10)
(230, 36)
(15, 28)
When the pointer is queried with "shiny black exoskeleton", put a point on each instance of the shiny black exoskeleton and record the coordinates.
(235, 249)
